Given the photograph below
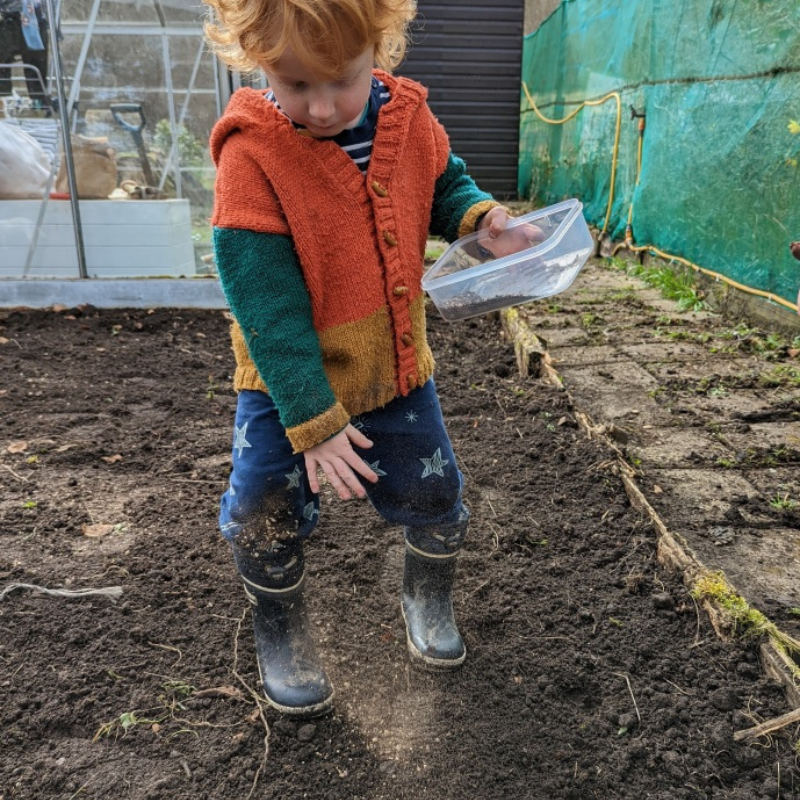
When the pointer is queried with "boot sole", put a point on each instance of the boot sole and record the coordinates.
(427, 662)
(316, 710)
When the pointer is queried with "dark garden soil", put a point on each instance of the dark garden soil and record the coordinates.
(590, 674)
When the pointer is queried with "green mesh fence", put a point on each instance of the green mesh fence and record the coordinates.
(719, 82)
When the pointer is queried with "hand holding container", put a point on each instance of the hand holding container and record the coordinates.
(538, 255)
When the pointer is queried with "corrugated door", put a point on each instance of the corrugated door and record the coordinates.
(469, 55)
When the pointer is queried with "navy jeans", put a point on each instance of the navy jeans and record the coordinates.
(419, 485)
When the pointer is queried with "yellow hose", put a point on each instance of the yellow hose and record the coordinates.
(614, 157)
(711, 274)
(628, 243)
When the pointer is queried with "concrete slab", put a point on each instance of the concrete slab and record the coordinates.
(763, 568)
(113, 293)
(772, 442)
(706, 496)
(778, 482)
(664, 448)
(584, 355)
(702, 371)
(645, 352)
(614, 392)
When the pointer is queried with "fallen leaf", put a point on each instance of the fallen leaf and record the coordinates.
(17, 447)
(57, 307)
(112, 459)
(65, 447)
(3, 340)
(657, 489)
(97, 531)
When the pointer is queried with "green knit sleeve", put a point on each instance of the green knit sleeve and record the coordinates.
(456, 199)
(264, 286)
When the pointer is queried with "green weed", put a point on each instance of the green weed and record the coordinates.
(588, 319)
(781, 375)
(434, 253)
(745, 621)
(674, 282)
(783, 502)
(123, 723)
(683, 335)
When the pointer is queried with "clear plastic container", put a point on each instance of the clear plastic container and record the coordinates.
(468, 279)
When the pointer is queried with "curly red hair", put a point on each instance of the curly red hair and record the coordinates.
(324, 34)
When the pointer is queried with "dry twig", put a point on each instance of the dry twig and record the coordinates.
(111, 591)
(258, 701)
(770, 726)
(630, 691)
(18, 477)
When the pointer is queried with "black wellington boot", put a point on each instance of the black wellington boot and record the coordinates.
(427, 603)
(292, 675)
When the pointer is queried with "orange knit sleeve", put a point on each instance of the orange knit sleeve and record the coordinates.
(243, 195)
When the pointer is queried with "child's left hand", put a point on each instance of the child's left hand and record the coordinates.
(500, 241)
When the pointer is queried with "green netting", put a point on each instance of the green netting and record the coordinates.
(719, 81)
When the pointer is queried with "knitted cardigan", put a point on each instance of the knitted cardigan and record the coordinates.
(321, 265)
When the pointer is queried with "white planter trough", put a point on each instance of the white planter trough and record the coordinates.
(122, 239)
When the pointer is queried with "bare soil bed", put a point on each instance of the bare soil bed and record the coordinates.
(590, 674)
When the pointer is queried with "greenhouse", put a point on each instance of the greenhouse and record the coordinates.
(133, 88)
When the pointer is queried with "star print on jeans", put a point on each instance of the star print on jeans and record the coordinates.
(309, 512)
(294, 477)
(411, 416)
(435, 464)
(239, 441)
(374, 467)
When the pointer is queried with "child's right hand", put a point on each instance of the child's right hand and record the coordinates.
(337, 459)
(500, 240)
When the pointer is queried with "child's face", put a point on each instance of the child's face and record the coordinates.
(326, 107)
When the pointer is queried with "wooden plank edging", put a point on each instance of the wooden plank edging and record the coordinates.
(672, 550)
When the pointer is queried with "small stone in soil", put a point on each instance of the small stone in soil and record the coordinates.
(306, 732)
(663, 601)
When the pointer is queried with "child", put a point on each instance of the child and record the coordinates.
(327, 187)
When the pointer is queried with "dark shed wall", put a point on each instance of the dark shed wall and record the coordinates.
(469, 55)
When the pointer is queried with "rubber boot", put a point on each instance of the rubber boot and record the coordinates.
(427, 603)
(292, 675)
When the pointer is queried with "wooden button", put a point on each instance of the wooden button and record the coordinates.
(407, 339)
(389, 239)
(379, 190)
(399, 291)
(412, 381)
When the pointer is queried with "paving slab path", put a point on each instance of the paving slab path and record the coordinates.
(704, 410)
